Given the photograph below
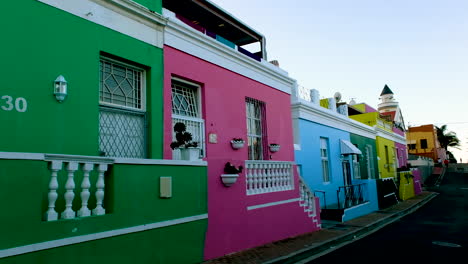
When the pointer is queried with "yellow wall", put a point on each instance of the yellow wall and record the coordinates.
(360, 107)
(415, 137)
(406, 188)
(386, 169)
(324, 103)
(369, 119)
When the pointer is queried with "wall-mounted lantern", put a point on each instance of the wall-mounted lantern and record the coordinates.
(60, 88)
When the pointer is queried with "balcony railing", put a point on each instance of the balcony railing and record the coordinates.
(76, 168)
(268, 176)
(351, 195)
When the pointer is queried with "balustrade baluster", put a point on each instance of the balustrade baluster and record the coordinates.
(283, 178)
(269, 177)
(52, 196)
(99, 210)
(261, 178)
(274, 177)
(255, 178)
(69, 194)
(248, 177)
(85, 185)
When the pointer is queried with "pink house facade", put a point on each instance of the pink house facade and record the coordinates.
(222, 94)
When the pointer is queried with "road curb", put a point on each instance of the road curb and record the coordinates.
(313, 252)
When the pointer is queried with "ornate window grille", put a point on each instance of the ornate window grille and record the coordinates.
(324, 157)
(186, 109)
(122, 117)
(256, 129)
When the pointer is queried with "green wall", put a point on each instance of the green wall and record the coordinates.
(132, 199)
(39, 44)
(153, 5)
(361, 142)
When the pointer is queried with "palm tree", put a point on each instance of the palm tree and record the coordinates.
(447, 138)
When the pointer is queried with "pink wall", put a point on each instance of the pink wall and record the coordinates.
(402, 154)
(231, 227)
(417, 181)
(369, 109)
(398, 131)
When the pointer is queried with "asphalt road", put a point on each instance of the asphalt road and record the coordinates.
(435, 233)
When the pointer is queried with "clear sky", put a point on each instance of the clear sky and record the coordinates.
(419, 48)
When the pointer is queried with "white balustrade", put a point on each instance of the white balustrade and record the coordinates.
(268, 176)
(307, 198)
(72, 165)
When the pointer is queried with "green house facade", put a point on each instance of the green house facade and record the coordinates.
(81, 170)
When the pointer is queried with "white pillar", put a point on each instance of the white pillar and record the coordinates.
(85, 185)
(51, 214)
(69, 194)
(99, 210)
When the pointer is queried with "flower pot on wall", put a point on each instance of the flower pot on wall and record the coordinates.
(190, 153)
(229, 179)
(274, 147)
(237, 144)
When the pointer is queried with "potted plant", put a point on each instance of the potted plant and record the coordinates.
(274, 147)
(188, 149)
(231, 173)
(237, 143)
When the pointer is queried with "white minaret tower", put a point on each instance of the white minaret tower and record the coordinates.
(389, 104)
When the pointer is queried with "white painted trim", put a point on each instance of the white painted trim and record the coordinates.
(97, 159)
(390, 136)
(160, 162)
(21, 156)
(124, 16)
(184, 38)
(78, 158)
(302, 109)
(253, 207)
(96, 236)
(354, 207)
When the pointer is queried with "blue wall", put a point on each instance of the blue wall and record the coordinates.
(370, 194)
(311, 163)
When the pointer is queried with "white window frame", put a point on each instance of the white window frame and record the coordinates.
(325, 159)
(356, 167)
(260, 137)
(370, 162)
(120, 109)
(142, 109)
(198, 119)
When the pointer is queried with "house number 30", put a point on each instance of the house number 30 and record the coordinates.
(9, 103)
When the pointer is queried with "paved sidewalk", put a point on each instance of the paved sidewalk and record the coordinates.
(333, 235)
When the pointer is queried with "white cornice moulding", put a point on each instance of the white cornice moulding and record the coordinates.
(186, 39)
(315, 113)
(124, 16)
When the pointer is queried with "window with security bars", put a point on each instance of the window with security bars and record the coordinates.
(324, 157)
(186, 109)
(122, 119)
(256, 129)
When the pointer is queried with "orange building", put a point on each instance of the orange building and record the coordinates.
(422, 141)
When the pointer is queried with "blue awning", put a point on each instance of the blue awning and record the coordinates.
(348, 148)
